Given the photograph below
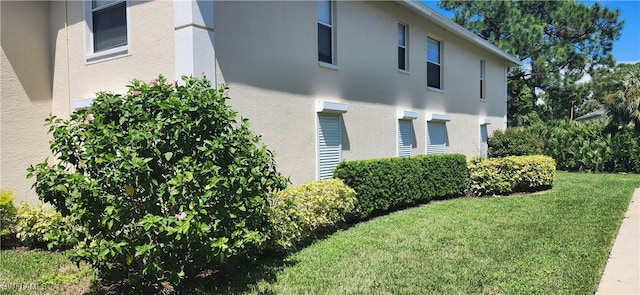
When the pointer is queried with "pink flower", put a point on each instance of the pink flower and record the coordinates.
(36, 173)
(135, 93)
(181, 216)
(154, 82)
(203, 74)
(89, 118)
(175, 82)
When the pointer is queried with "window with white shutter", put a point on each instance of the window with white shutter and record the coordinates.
(436, 138)
(405, 138)
(436, 133)
(329, 144)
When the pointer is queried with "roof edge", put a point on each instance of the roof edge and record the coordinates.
(459, 30)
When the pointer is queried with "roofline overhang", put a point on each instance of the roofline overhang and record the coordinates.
(459, 30)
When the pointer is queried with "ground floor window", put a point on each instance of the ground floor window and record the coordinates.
(329, 144)
(405, 138)
(436, 137)
(484, 137)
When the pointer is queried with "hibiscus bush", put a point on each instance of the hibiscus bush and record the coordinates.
(162, 183)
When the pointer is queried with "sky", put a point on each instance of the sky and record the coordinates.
(627, 48)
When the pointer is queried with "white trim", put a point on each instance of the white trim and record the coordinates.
(438, 117)
(485, 121)
(435, 89)
(407, 115)
(327, 65)
(109, 54)
(82, 103)
(194, 39)
(462, 32)
(331, 107)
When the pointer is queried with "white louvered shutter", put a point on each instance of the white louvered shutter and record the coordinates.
(404, 138)
(436, 138)
(484, 136)
(329, 145)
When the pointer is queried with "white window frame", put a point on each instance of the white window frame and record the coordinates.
(404, 47)
(331, 26)
(483, 85)
(439, 64)
(90, 55)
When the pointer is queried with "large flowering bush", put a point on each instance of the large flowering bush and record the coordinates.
(162, 182)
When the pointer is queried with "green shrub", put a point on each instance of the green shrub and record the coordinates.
(163, 182)
(384, 184)
(513, 142)
(7, 215)
(299, 213)
(499, 176)
(35, 223)
(625, 151)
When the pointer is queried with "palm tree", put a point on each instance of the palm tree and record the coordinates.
(624, 105)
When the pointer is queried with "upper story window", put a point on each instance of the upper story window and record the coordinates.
(402, 47)
(434, 64)
(482, 80)
(107, 31)
(325, 32)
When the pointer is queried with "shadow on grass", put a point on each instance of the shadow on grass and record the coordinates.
(242, 278)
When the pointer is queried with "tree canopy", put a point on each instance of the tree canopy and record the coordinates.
(558, 42)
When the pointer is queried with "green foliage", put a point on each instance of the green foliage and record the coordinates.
(513, 142)
(384, 184)
(623, 105)
(576, 146)
(35, 223)
(162, 182)
(558, 41)
(299, 213)
(499, 176)
(7, 214)
(625, 151)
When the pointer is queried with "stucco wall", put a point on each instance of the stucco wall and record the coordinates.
(267, 53)
(151, 52)
(25, 93)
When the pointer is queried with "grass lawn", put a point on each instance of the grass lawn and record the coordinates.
(555, 242)
(42, 272)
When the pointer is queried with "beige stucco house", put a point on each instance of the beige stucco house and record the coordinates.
(322, 81)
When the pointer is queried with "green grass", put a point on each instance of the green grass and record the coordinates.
(555, 242)
(39, 272)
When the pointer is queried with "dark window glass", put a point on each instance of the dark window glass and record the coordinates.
(402, 58)
(324, 44)
(433, 75)
(110, 27)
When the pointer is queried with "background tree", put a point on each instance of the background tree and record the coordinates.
(558, 42)
(623, 105)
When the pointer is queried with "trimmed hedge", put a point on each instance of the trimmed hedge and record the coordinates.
(299, 213)
(513, 142)
(384, 184)
(500, 176)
